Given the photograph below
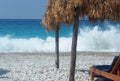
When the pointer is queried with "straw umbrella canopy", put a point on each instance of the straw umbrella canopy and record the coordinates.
(69, 11)
(103, 9)
(64, 11)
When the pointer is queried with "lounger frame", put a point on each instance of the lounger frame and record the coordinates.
(113, 75)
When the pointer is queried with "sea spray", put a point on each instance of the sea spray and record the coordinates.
(89, 39)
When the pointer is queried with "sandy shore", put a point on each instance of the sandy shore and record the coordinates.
(41, 66)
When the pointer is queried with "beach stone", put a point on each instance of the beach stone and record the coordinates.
(39, 67)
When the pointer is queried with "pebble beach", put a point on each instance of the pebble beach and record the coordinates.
(41, 66)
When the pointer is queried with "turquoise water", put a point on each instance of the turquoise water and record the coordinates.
(34, 28)
(22, 28)
(18, 35)
(28, 29)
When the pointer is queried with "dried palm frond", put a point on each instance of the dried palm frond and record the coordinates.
(59, 11)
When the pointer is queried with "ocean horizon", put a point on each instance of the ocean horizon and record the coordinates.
(29, 35)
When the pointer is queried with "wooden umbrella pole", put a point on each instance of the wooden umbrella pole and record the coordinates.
(57, 47)
(74, 44)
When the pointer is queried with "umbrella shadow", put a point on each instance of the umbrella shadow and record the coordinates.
(88, 72)
(3, 72)
(84, 71)
(102, 79)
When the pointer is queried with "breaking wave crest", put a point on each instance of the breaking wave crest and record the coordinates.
(92, 39)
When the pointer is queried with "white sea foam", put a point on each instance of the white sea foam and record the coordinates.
(88, 40)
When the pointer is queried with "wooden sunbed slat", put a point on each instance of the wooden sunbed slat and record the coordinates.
(113, 75)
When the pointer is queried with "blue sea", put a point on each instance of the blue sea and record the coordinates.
(29, 35)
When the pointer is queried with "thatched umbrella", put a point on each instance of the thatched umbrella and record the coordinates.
(69, 11)
(51, 23)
